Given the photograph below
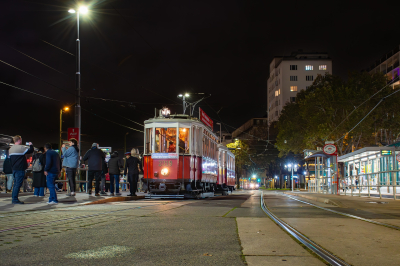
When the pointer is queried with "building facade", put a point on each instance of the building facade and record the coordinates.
(388, 64)
(291, 74)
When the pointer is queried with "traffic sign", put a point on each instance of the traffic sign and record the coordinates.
(73, 133)
(398, 157)
(330, 149)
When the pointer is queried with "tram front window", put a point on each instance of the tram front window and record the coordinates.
(165, 140)
(184, 140)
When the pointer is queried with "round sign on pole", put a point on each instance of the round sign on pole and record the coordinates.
(330, 149)
(398, 157)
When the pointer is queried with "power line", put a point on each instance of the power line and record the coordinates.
(112, 121)
(23, 71)
(358, 107)
(381, 100)
(37, 94)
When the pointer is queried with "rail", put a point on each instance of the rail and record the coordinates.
(311, 245)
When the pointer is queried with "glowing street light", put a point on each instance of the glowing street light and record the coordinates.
(72, 11)
(83, 10)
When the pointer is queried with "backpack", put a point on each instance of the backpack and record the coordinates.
(37, 166)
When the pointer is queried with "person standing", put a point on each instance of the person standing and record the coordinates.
(132, 165)
(114, 166)
(70, 162)
(104, 171)
(7, 170)
(39, 179)
(95, 158)
(19, 164)
(52, 170)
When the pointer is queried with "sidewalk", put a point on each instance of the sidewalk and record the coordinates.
(40, 203)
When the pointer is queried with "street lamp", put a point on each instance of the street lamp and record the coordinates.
(65, 109)
(183, 96)
(291, 168)
(80, 10)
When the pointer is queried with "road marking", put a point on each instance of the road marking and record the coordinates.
(100, 253)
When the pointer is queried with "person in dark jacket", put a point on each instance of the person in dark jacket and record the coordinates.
(114, 169)
(52, 170)
(104, 171)
(39, 179)
(19, 164)
(132, 165)
(7, 170)
(95, 158)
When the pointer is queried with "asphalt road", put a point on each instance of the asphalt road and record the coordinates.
(146, 232)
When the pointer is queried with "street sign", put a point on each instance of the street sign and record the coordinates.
(330, 149)
(206, 119)
(386, 152)
(398, 157)
(73, 133)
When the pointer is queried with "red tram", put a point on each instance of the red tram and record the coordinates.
(182, 157)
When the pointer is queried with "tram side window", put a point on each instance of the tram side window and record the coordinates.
(184, 140)
(149, 138)
(165, 140)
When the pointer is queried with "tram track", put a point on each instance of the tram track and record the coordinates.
(345, 214)
(311, 245)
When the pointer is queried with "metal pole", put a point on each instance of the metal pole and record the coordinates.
(292, 179)
(184, 103)
(60, 131)
(78, 85)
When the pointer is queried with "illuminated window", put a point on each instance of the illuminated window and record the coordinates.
(293, 88)
(309, 67)
(293, 78)
(165, 140)
(293, 67)
(309, 78)
(276, 93)
(183, 145)
(279, 91)
(322, 67)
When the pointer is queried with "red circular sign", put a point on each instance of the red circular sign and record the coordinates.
(398, 157)
(330, 149)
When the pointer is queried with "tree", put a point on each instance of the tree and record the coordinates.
(331, 108)
(240, 149)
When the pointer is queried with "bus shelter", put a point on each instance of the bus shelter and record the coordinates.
(371, 171)
(321, 172)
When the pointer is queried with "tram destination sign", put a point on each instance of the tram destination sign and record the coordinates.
(386, 153)
(164, 156)
(206, 119)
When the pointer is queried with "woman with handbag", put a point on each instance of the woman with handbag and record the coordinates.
(39, 179)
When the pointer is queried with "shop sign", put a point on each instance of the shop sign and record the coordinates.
(330, 149)
(73, 133)
(386, 152)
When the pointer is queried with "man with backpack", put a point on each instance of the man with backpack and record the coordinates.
(71, 159)
(19, 164)
(39, 179)
(7, 170)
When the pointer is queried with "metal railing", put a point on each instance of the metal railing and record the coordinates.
(382, 184)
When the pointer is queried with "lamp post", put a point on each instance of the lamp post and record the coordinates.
(291, 167)
(80, 10)
(65, 109)
(183, 96)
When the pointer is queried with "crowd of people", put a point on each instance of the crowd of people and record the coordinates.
(47, 168)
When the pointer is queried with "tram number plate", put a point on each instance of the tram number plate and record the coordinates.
(164, 163)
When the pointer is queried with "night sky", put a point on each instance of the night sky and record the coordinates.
(147, 52)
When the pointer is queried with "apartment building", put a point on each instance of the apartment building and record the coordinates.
(291, 74)
(388, 64)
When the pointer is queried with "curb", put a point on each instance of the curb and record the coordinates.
(115, 199)
(318, 199)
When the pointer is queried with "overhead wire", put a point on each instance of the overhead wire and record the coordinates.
(360, 105)
(381, 100)
(37, 94)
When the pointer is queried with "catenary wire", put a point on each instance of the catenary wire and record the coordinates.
(360, 105)
(381, 100)
(37, 94)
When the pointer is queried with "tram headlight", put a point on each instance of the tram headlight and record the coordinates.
(164, 171)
